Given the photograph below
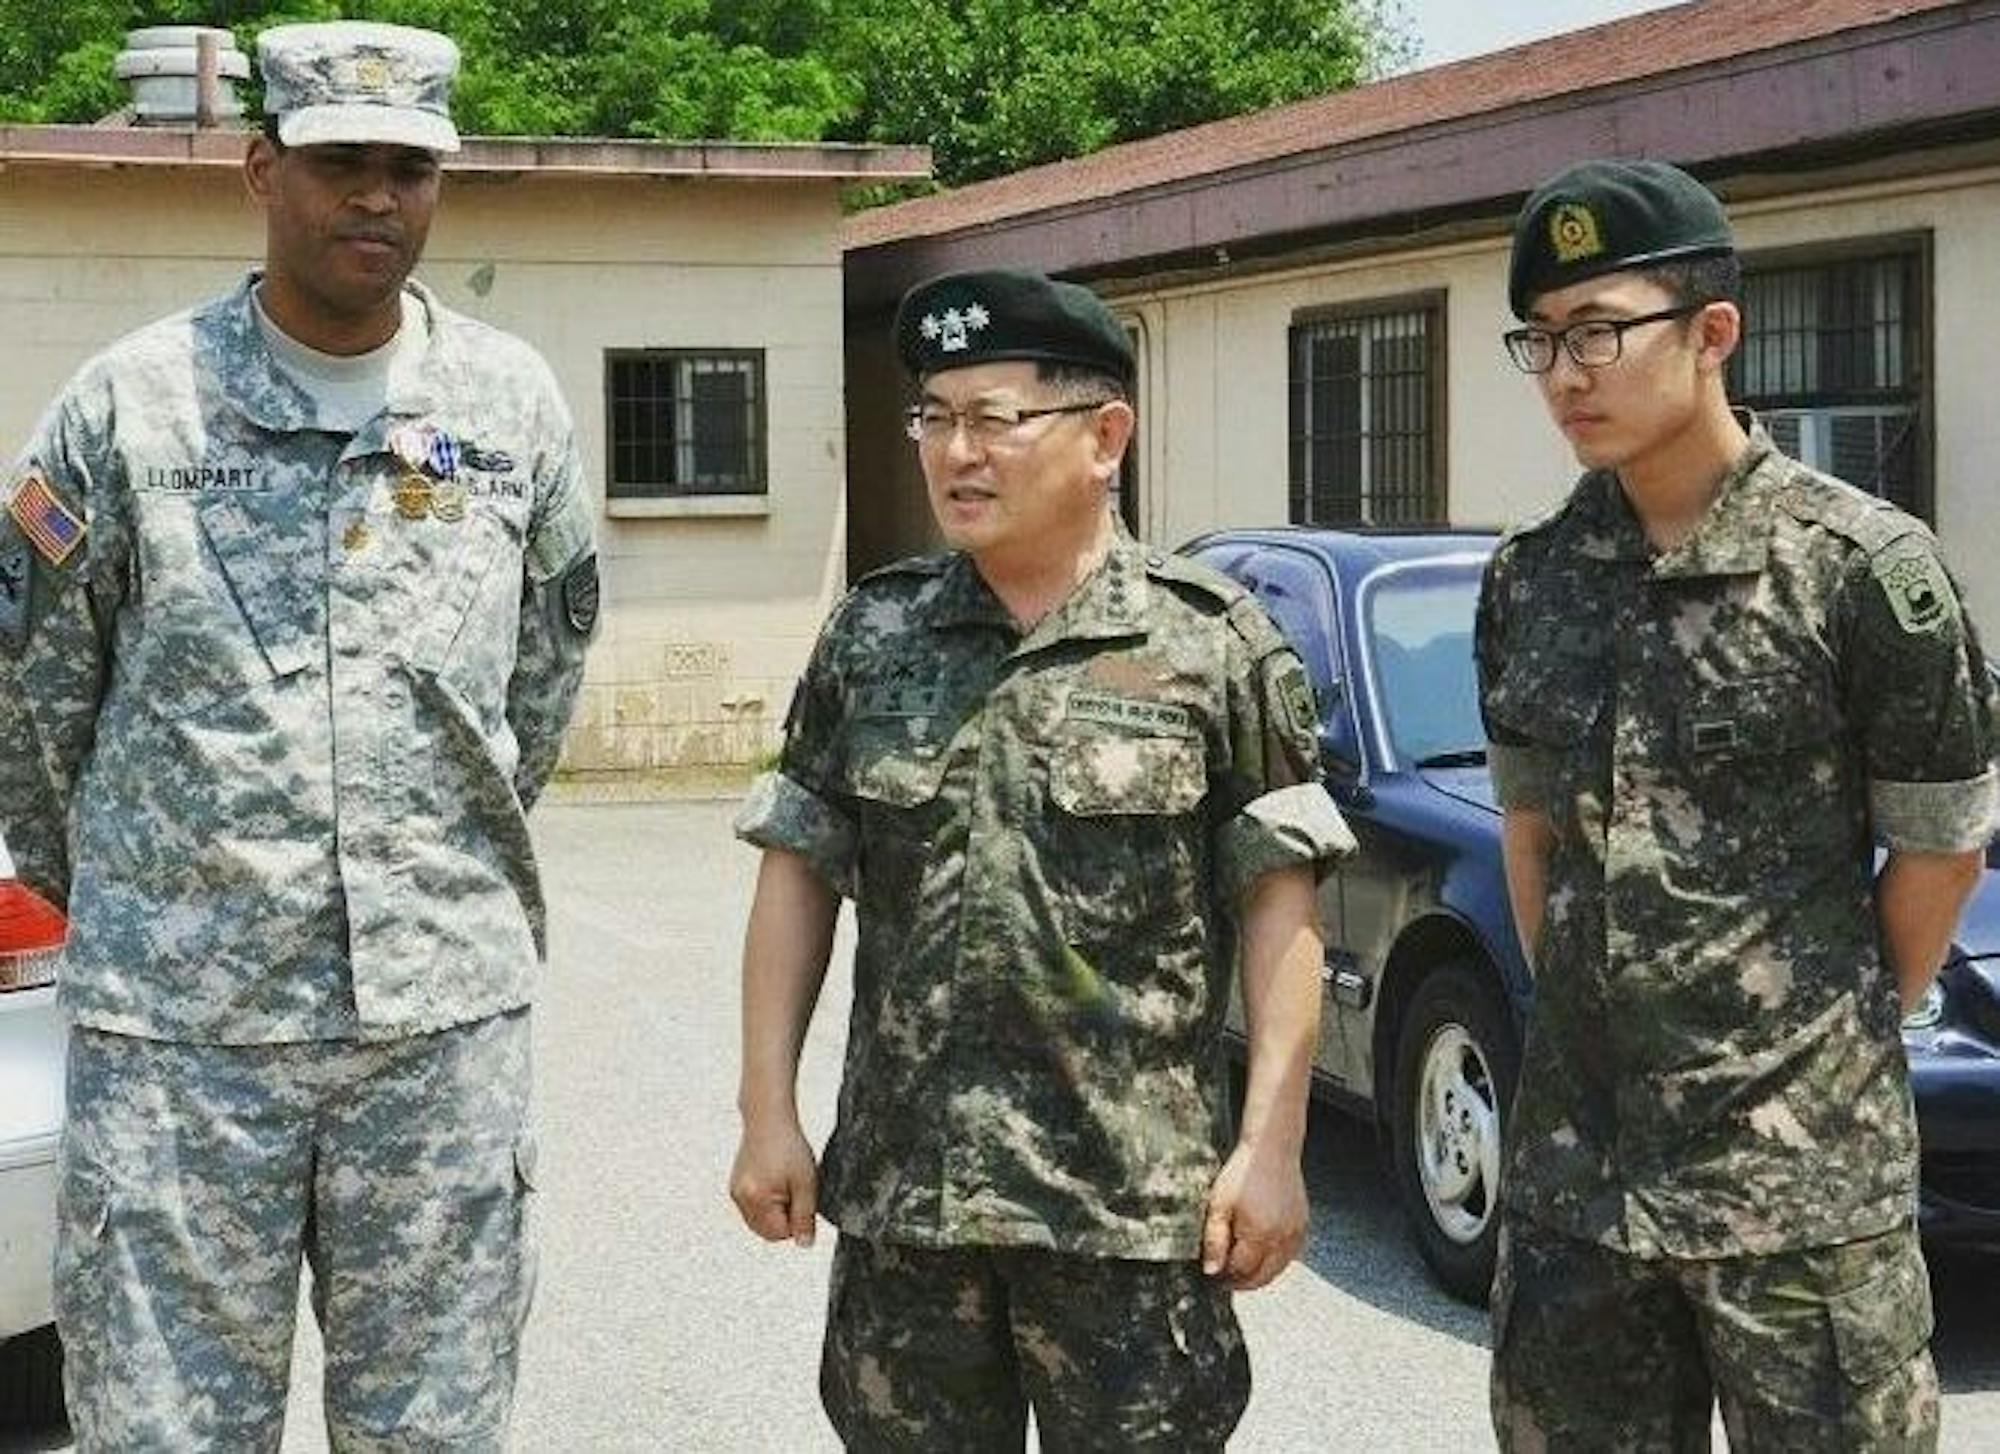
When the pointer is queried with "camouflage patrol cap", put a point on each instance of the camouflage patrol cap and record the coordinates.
(359, 81)
(1605, 216)
(962, 319)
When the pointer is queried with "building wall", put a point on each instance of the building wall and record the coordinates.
(708, 617)
(1214, 378)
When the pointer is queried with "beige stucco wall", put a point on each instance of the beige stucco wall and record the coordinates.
(1213, 418)
(708, 619)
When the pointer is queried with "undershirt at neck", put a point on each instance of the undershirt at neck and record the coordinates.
(347, 390)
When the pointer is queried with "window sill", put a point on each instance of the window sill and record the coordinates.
(684, 507)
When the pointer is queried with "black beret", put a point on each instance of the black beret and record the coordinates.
(1605, 216)
(987, 317)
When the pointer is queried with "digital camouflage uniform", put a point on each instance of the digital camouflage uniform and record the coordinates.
(1713, 1151)
(1045, 836)
(272, 732)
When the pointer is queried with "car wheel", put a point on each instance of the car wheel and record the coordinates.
(31, 1392)
(1457, 1059)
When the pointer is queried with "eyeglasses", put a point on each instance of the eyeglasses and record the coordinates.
(1592, 343)
(933, 423)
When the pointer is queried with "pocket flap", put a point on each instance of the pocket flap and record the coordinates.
(276, 572)
(1107, 773)
(1769, 713)
(894, 761)
(1881, 1325)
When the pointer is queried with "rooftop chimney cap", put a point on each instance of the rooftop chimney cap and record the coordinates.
(162, 63)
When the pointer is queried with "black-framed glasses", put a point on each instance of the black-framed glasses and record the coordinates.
(932, 422)
(1592, 343)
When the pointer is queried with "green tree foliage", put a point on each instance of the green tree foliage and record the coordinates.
(990, 85)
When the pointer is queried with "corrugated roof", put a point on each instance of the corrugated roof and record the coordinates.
(1621, 51)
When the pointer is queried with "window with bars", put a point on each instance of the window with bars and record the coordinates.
(1833, 359)
(1365, 417)
(684, 422)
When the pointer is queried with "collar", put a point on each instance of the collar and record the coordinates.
(1733, 536)
(254, 384)
(1109, 603)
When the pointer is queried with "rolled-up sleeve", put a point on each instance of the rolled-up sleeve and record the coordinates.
(1277, 811)
(783, 813)
(1921, 698)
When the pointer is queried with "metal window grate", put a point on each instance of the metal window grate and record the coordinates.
(685, 423)
(1832, 357)
(1364, 420)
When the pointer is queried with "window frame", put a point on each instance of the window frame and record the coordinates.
(1433, 303)
(679, 497)
(1917, 246)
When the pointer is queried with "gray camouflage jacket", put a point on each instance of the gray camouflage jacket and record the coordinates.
(274, 700)
(1046, 837)
(1718, 734)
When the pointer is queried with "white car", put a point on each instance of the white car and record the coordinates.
(31, 1114)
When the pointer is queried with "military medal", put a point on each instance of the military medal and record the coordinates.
(411, 443)
(443, 460)
(412, 494)
(448, 501)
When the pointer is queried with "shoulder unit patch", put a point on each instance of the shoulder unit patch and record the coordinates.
(1918, 590)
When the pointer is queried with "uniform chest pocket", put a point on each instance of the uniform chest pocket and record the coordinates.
(1755, 717)
(1107, 773)
(1549, 699)
(231, 599)
(894, 763)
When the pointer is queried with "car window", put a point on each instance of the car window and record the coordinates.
(1297, 592)
(1418, 628)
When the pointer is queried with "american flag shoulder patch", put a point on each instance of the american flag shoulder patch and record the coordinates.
(45, 520)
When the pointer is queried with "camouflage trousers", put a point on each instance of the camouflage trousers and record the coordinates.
(945, 1350)
(1815, 1350)
(195, 1177)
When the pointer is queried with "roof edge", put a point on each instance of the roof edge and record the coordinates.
(174, 147)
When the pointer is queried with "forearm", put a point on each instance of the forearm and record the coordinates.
(1918, 898)
(785, 952)
(1526, 840)
(1281, 957)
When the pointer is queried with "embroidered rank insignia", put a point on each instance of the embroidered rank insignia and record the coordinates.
(45, 520)
(1574, 234)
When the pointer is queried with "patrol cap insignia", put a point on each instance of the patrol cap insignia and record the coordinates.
(1574, 233)
(1919, 592)
(371, 74)
(45, 520)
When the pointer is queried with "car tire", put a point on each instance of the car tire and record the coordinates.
(1457, 1060)
(31, 1390)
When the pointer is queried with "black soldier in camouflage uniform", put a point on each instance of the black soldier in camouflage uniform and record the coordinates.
(295, 590)
(1713, 680)
(1063, 778)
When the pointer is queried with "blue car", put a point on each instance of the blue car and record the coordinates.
(1426, 985)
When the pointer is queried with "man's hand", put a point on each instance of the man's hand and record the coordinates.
(1256, 1218)
(775, 1182)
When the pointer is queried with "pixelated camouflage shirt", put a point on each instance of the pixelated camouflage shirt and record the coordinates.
(1718, 734)
(269, 737)
(1045, 836)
